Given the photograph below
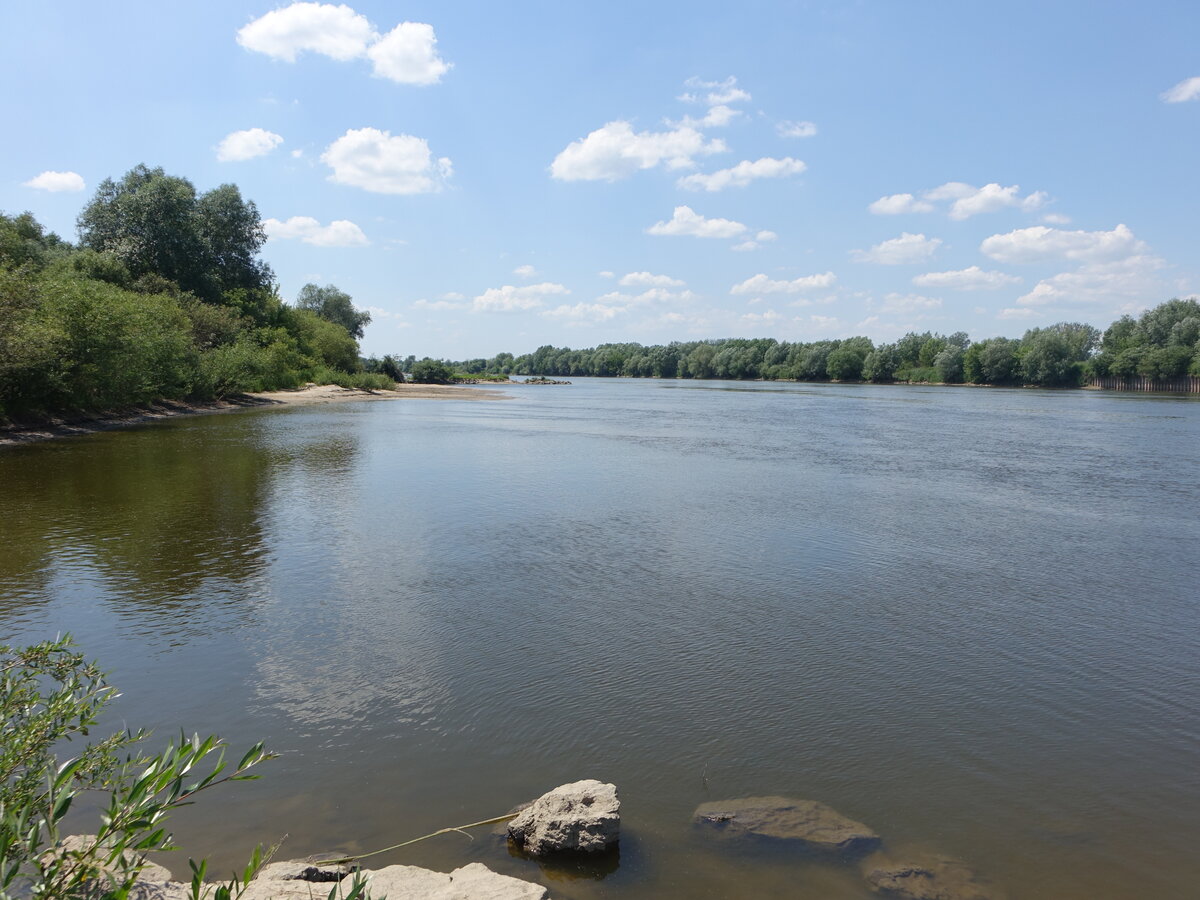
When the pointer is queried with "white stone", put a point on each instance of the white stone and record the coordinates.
(582, 817)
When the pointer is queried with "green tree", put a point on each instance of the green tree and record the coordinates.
(431, 371)
(155, 223)
(845, 364)
(335, 306)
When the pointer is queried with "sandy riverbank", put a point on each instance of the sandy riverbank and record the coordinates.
(89, 423)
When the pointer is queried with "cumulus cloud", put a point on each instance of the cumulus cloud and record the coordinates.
(377, 161)
(511, 298)
(687, 222)
(646, 279)
(583, 312)
(339, 233)
(1041, 243)
(714, 93)
(1112, 284)
(241, 145)
(897, 204)
(1056, 219)
(648, 296)
(969, 279)
(761, 284)
(965, 200)
(56, 182)
(447, 302)
(1013, 312)
(617, 151)
(908, 248)
(742, 174)
(765, 318)
(407, 54)
(1188, 89)
(334, 31)
(909, 303)
(796, 129)
(525, 271)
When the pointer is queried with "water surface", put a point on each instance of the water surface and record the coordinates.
(967, 618)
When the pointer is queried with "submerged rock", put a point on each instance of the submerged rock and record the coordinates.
(582, 817)
(927, 878)
(806, 822)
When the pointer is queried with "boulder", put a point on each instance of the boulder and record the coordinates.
(926, 878)
(805, 822)
(582, 817)
(473, 882)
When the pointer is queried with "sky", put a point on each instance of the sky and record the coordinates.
(487, 177)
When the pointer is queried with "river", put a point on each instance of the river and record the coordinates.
(969, 618)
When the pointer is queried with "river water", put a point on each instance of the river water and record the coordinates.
(966, 618)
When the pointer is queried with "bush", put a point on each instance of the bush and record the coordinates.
(50, 697)
(431, 371)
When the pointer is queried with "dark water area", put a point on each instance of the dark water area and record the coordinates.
(967, 618)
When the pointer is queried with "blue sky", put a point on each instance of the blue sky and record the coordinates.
(488, 177)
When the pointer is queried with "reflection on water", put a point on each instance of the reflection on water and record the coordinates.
(965, 618)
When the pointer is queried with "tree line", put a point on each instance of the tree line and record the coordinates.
(1163, 343)
(163, 297)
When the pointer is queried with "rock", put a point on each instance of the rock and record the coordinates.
(473, 882)
(153, 882)
(929, 878)
(583, 817)
(806, 822)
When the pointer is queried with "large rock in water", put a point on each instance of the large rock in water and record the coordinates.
(925, 878)
(807, 822)
(582, 817)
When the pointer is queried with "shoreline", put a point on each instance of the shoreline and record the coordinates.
(74, 424)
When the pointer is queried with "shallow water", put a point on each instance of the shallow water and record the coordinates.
(967, 618)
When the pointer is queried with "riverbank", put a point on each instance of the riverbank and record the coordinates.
(71, 425)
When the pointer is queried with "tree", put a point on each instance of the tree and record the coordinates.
(155, 223)
(881, 363)
(845, 364)
(431, 371)
(335, 306)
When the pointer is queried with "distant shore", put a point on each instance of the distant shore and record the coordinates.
(69, 425)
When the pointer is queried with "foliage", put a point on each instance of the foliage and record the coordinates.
(51, 698)
(335, 306)
(156, 223)
(432, 371)
(1163, 343)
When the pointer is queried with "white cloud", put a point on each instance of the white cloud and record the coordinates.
(1040, 243)
(764, 318)
(766, 236)
(969, 279)
(909, 303)
(339, 233)
(648, 296)
(824, 322)
(745, 246)
(607, 274)
(448, 301)
(510, 298)
(646, 279)
(796, 129)
(376, 161)
(583, 312)
(897, 204)
(718, 92)
(1012, 312)
(408, 55)
(908, 248)
(742, 174)
(56, 182)
(296, 154)
(525, 271)
(761, 284)
(1056, 219)
(687, 222)
(617, 151)
(1188, 89)
(965, 200)
(1112, 284)
(241, 145)
(334, 31)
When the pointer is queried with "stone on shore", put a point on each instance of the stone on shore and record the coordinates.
(926, 878)
(805, 822)
(582, 817)
(302, 881)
